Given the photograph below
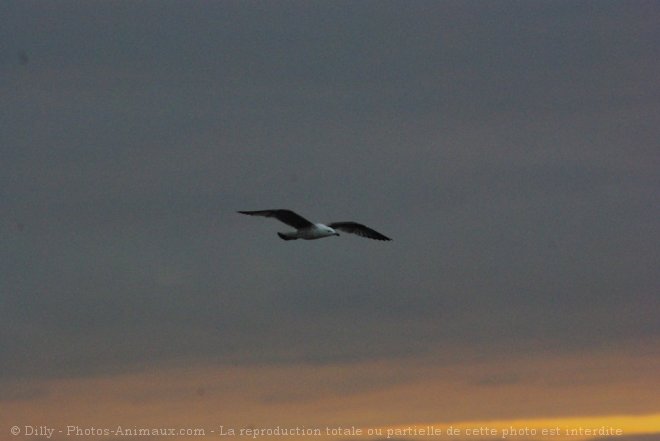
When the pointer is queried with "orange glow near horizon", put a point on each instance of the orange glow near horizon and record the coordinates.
(559, 429)
(587, 391)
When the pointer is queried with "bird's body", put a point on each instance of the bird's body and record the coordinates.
(309, 231)
(314, 231)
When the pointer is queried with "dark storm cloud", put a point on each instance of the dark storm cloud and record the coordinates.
(509, 148)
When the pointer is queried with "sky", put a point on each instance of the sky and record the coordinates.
(509, 148)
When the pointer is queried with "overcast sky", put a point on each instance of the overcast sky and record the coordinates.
(510, 149)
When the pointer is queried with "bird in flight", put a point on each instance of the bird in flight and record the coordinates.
(308, 230)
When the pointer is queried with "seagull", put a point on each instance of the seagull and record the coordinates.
(308, 230)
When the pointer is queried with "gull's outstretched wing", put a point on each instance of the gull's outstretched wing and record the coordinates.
(286, 216)
(359, 229)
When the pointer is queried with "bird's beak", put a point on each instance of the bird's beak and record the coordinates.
(336, 234)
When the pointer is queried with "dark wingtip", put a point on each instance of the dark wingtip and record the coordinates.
(284, 237)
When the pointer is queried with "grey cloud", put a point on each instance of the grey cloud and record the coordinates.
(21, 391)
(499, 379)
(507, 148)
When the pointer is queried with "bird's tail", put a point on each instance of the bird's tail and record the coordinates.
(286, 237)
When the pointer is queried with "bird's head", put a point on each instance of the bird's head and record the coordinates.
(330, 231)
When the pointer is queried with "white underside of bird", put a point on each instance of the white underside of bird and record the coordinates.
(316, 231)
(310, 231)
